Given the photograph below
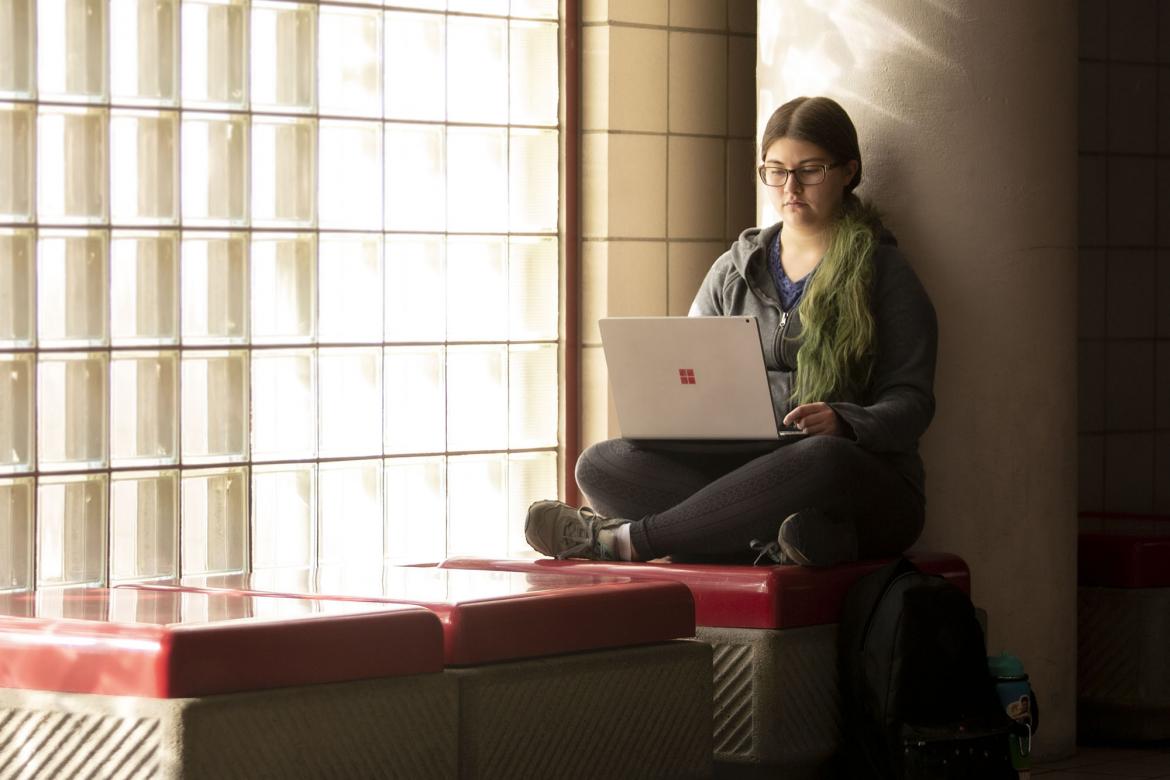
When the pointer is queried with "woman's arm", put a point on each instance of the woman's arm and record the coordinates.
(901, 402)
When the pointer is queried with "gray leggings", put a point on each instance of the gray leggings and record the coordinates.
(709, 500)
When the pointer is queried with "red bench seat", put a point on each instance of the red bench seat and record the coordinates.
(1108, 560)
(731, 596)
(166, 644)
(494, 616)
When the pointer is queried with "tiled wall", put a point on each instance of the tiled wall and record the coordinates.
(1124, 329)
(668, 115)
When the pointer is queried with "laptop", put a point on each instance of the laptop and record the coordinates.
(690, 378)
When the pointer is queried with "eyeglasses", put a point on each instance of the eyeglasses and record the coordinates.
(777, 176)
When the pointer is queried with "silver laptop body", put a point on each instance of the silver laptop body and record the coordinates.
(689, 378)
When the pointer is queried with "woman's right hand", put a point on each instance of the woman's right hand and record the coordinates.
(815, 419)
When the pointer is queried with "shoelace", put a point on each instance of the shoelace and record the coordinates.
(573, 535)
(770, 550)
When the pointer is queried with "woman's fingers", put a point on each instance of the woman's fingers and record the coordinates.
(816, 419)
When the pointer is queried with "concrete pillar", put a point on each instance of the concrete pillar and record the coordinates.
(968, 120)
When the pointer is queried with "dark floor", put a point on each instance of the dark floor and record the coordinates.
(1094, 763)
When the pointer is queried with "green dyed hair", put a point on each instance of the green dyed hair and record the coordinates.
(835, 359)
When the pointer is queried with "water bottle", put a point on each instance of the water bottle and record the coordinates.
(1015, 694)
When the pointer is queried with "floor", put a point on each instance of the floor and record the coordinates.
(1095, 763)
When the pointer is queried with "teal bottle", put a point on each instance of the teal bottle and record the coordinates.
(1015, 694)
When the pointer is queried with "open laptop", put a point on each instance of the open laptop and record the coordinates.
(690, 378)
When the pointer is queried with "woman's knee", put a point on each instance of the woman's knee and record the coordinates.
(596, 462)
(833, 453)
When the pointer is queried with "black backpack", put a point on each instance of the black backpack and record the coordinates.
(917, 698)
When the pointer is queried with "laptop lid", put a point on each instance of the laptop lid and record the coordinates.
(688, 378)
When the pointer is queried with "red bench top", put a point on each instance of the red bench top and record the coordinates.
(169, 644)
(495, 616)
(736, 596)
(1123, 560)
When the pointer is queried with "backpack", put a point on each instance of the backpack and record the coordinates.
(917, 698)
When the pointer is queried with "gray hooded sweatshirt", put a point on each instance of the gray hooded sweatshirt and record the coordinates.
(892, 413)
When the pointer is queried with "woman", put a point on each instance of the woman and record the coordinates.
(849, 339)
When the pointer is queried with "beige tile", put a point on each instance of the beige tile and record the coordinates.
(689, 263)
(594, 185)
(698, 83)
(741, 16)
(1091, 482)
(1129, 472)
(741, 87)
(1091, 385)
(598, 420)
(595, 78)
(621, 279)
(1129, 385)
(634, 11)
(697, 184)
(637, 80)
(741, 187)
(637, 186)
(704, 14)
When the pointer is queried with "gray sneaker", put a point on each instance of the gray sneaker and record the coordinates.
(812, 538)
(558, 530)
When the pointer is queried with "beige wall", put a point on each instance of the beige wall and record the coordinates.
(967, 116)
(668, 113)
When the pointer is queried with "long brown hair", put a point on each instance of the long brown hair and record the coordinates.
(835, 358)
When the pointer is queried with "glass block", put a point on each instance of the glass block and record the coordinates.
(144, 167)
(535, 9)
(284, 509)
(215, 169)
(477, 397)
(215, 406)
(144, 525)
(532, 476)
(349, 288)
(72, 148)
(532, 396)
(144, 52)
(477, 179)
(144, 288)
(71, 50)
(495, 7)
(72, 288)
(71, 411)
(351, 175)
(477, 69)
(477, 499)
(17, 176)
(283, 396)
(350, 51)
(416, 181)
(534, 181)
(284, 287)
(144, 408)
(350, 514)
(215, 54)
(17, 77)
(430, 5)
(284, 182)
(416, 510)
(16, 533)
(415, 62)
(215, 288)
(414, 409)
(283, 72)
(351, 402)
(533, 288)
(416, 284)
(534, 73)
(16, 414)
(214, 520)
(17, 256)
(71, 530)
(477, 272)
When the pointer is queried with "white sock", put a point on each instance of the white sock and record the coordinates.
(621, 542)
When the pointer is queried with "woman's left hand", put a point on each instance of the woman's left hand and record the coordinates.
(816, 419)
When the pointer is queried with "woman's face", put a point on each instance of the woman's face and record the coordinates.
(807, 207)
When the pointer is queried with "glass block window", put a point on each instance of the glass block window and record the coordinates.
(278, 283)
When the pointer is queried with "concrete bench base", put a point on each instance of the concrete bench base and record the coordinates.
(392, 727)
(776, 699)
(1123, 680)
(628, 713)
